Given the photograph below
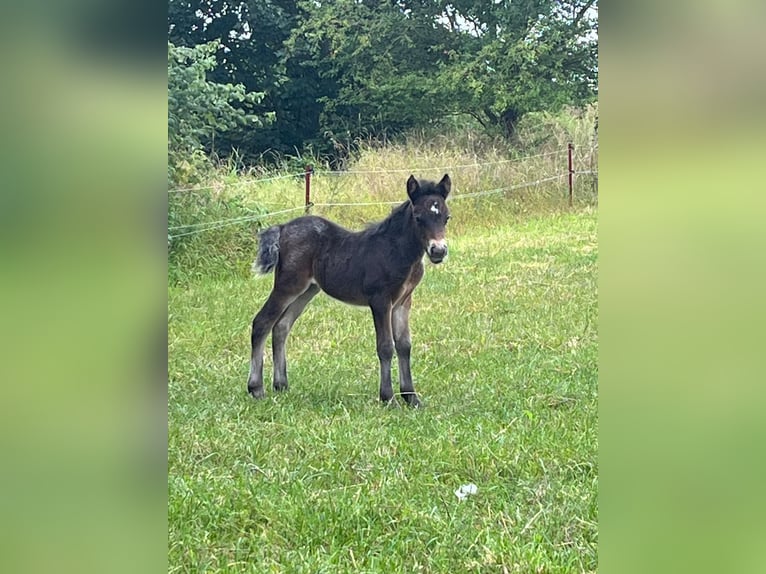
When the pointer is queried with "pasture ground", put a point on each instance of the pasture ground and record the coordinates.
(325, 479)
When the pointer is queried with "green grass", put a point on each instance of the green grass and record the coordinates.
(325, 479)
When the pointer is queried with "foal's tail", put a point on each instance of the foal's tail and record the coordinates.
(268, 251)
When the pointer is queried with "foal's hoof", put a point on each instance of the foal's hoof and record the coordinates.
(280, 387)
(412, 400)
(256, 393)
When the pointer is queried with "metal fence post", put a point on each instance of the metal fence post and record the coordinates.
(307, 176)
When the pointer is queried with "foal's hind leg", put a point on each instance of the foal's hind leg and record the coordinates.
(282, 330)
(400, 323)
(280, 298)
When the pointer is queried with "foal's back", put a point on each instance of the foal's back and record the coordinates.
(347, 265)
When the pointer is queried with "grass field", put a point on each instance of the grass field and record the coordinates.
(325, 479)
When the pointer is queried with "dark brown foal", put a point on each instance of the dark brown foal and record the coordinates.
(378, 267)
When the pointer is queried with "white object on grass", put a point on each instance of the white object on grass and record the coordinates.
(466, 490)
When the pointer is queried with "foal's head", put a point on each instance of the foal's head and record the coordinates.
(429, 207)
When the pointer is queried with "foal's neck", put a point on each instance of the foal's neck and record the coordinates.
(402, 224)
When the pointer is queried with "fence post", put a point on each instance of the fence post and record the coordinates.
(570, 147)
(307, 176)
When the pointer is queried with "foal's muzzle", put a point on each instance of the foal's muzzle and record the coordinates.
(437, 251)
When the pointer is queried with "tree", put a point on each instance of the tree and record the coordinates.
(534, 55)
(198, 109)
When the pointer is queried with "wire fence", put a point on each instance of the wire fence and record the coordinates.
(341, 173)
(195, 228)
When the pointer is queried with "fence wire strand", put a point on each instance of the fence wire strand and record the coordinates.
(226, 222)
(446, 168)
(353, 204)
(238, 183)
(510, 188)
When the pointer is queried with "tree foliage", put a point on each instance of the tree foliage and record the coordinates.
(198, 109)
(529, 56)
(335, 71)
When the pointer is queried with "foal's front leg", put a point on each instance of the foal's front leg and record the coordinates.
(381, 314)
(401, 327)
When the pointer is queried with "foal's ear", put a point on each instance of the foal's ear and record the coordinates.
(444, 186)
(412, 187)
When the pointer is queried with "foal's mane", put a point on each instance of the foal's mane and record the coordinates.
(394, 222)
(398, 217)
